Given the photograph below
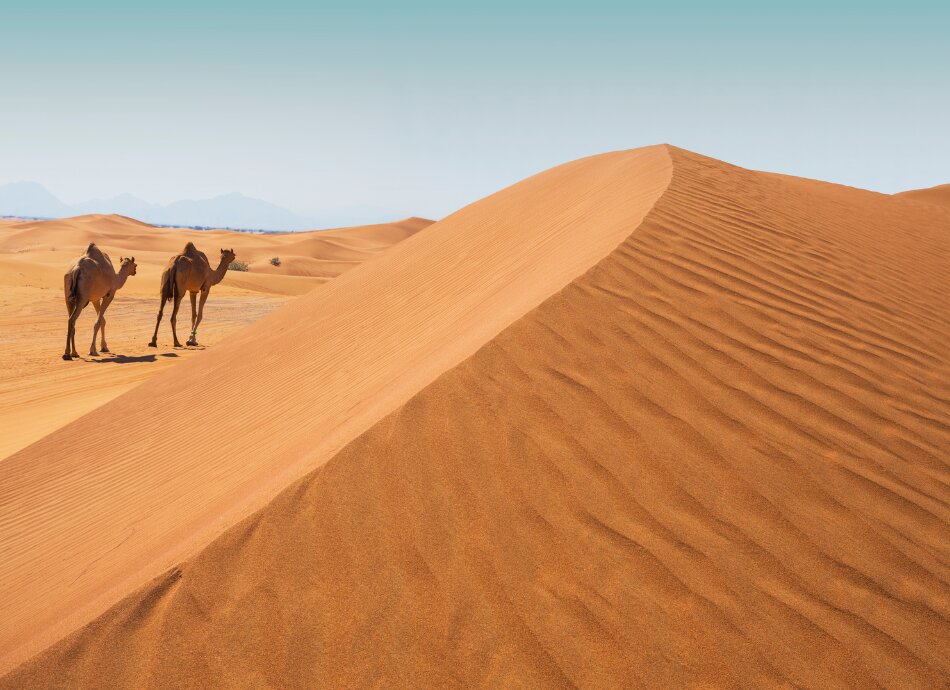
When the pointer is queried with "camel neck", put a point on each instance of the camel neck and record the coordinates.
(121, 277)
(219, 272)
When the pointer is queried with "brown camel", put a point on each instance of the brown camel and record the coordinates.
(189, 272)
(92, 279)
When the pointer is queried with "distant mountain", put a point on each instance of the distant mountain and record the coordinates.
(31, 199)
(124, 204)
(235, 210)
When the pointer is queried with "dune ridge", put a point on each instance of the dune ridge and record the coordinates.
(937, 196)
(182, 457)
(718, 457)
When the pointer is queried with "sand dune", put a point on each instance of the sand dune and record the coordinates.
(40, 393)
(646, 419)
(202, 444)
(126, 235)
(938, 196)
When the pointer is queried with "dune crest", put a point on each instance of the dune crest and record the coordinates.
(938, 196)
(182, 457)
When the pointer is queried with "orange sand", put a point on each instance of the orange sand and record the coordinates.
(39, 394)
(646, 419)
(938, 196)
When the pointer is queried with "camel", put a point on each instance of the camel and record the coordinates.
(92, 279)
(189, 272)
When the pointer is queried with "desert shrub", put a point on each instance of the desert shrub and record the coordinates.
(275, 261)
(238, 266)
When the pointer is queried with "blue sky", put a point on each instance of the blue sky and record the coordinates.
(423, 107)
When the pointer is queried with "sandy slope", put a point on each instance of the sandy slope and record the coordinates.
(716, 458)
(106, 502)
(40, 393)
(938, 196)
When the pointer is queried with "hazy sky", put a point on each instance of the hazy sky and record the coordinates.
(423, 107)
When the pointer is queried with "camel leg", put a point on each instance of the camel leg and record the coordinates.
(177, 298)
(102, 335)
(194, 314)
(158, 321)
(95, 328)
(201, 310)
(84, 304)
(70, 326)
(106, 301)
(71, 333)
(71, 330)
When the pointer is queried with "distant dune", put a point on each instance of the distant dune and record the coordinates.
(939, 195)
(643, 420)
(316, 254)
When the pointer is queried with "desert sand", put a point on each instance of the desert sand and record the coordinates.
(645, 419)
(937, 196)
(39, 395)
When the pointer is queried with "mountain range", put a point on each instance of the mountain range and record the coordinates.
(33, 200)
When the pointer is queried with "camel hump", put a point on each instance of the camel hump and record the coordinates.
(93, 252)
(190, 248)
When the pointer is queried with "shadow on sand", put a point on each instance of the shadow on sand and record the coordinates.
(124, 359)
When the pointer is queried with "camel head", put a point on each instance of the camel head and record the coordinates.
(227, 256)
(130, 262)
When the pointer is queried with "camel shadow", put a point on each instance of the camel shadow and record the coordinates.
(125, 359)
